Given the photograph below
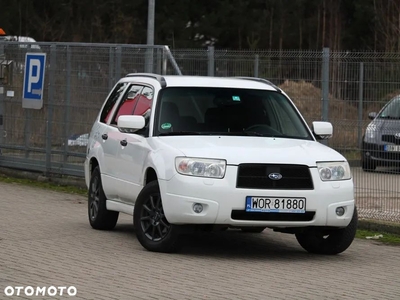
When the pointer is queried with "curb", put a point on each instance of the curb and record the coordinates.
(37, 176)
(379, 226)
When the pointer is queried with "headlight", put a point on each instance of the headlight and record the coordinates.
(370, 132)
(331, 171)
(201, 167)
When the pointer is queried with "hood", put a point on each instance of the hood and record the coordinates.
(246, 149)
(386, 126)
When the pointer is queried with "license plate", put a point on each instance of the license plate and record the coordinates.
(275, 205)
(392, 148)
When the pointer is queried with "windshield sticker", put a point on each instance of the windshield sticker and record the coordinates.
(166, 126)
(235, 98)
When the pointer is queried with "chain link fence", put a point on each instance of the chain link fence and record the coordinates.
(340, 87)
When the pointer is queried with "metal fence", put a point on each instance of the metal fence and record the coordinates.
(341, 87)
(78, 78)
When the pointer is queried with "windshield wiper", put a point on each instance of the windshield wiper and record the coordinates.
(255, 133)
(244, 132)
(180, 133)
(251, 133)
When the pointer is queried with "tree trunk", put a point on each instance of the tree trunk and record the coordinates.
(271, 23)
(318, 27)
(323, 22)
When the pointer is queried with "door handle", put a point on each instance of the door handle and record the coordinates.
(104, 136)
(123, 143)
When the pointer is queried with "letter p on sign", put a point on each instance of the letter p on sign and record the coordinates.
(35, 65)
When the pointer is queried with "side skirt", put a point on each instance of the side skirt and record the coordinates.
(121, 207)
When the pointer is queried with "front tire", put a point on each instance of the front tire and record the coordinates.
(368, 165)
(99, 217)
(153, 230)
(329, 242)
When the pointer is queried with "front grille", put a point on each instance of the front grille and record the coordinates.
(390, 138)
(256, 216)
(255, 176)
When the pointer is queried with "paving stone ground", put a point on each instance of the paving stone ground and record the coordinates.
(46, 240)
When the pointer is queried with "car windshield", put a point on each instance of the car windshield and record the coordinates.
(227, 111)
(391, 110)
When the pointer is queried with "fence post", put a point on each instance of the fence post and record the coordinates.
(256, 64)
(211, 61)
(159, 61)
(2, 118)
(164, 61)
(67, 104)
(325, 84)
(360, 104)
(49, 121)
(27, 131)
(111, 69)
(118, 63)
(173, 61)
(149, 64)
(2, 98)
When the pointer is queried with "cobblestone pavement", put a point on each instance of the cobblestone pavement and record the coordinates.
(46, 240)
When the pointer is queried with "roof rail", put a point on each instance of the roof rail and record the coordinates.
(157, 77)
(261, 80)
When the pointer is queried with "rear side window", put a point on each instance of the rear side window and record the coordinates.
(111, 101)
(145, 102)
(143, 108)
(128, 102)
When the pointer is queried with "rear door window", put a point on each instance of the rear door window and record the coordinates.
(128, 103)
(111, 101)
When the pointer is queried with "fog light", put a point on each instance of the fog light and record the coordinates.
(340, 211)
(198, 208)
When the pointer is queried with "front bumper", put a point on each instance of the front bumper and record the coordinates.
(223, 203)
(377, 153)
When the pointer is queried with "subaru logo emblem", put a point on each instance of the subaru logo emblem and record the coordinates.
(275, 176)
(397, 135)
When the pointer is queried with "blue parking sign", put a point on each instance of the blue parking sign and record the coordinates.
(35, 64)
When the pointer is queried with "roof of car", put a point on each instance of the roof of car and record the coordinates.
(207, 81)
(22, 40)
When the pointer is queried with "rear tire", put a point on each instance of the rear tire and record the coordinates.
(99, 217)
(329, 242)
(153, 231)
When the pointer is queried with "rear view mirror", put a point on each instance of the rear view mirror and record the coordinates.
(130, 124)
(372, 115)
(322, 130)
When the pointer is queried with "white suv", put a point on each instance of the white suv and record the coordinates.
(174, 151)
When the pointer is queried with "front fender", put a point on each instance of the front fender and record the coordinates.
(163, 162)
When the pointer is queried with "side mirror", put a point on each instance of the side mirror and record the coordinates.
(322, 130)
(130, 124)
(372, 115)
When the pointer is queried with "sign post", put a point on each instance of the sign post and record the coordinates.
(35, 65)
(2, 58)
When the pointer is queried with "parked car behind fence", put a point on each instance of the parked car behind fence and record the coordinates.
(381, 142)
